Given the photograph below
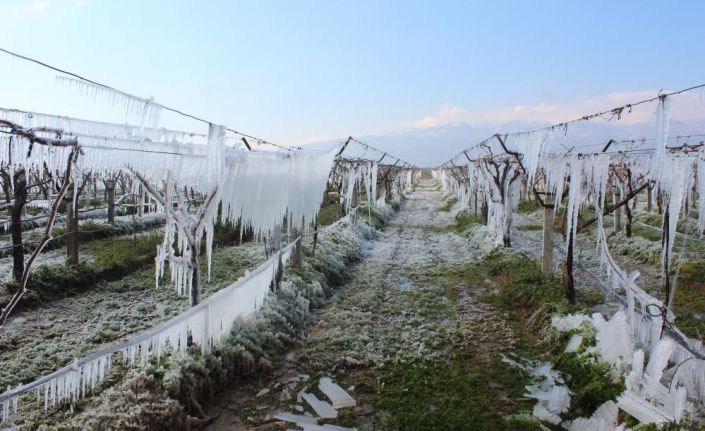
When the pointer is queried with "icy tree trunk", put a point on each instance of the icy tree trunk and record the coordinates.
(665, 259)
(71, 228)
(649, 199)
(388, 191)
(315, 238)
(6, 185)
(627, 209)
(110, 191)
(568, 280)
(138, 200)
(20, 195)
(507, 221)
(43, 242)
(616, 197)
(547, 252)
(196, 276)
(276, 246)
(297, 254)
(355, 196)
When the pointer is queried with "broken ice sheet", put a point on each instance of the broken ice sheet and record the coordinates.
(322, 408)
(337, 395)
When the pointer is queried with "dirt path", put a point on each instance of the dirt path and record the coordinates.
(394, 334)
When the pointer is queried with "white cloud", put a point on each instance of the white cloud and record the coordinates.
(685, 107)
(37, 6)
(310, 139)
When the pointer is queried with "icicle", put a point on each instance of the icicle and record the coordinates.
(216, 162)
(144, 110)
(662, 124)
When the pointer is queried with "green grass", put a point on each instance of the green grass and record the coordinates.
(530, 299)
(527, 206)
(590, 383)
(113, 259)
(123, 254)
(645, 232)
(452, 395)
(523, 288)
(464, 220)
(530, 227)
(328, 214)
(689, 301)
(448, 204)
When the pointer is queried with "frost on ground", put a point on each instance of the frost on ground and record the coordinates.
(40, 340)
(403, 312)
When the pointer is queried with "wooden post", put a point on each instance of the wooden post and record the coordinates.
(110, 190)
(71, 227)
(547, 252)
(649, 199)
(138, 201)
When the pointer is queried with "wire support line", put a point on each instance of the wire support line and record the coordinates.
(168, 108)
(613, 113)
(367, 146)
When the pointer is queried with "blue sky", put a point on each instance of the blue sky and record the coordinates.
(303, 71)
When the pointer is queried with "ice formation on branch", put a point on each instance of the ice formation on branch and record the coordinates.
(549, 390)
(206, 324)
(145, 111)
(293, 183)
(665, 369)
(356, 176)
(663, 112)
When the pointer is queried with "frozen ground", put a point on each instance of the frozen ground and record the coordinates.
(36, 341)
(398, 309)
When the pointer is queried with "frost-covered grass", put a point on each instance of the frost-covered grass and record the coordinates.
(636, 247)
(39, 340)
(687, 225)
(448, 205)
(163, 395)
(409, 334)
